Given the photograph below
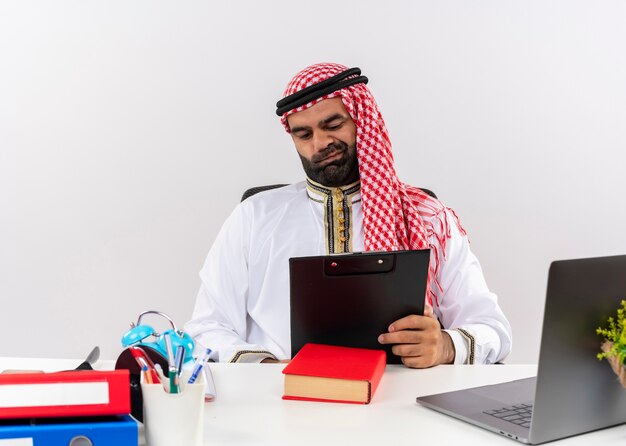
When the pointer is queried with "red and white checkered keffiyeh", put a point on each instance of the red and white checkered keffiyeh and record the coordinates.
(396, 216)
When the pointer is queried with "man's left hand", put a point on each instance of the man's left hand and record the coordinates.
(419, 341)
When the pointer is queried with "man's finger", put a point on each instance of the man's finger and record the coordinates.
(416, 362)
(408, 337)
(406, 350)
(428, 310)
(412, 322)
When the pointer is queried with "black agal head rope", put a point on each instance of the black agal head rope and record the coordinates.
(313, 92)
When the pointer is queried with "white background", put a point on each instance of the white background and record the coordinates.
(129, 130)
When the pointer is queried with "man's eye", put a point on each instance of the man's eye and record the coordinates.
(334, 126)
(303, 135)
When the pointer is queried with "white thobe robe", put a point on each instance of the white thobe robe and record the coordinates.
(242, 309)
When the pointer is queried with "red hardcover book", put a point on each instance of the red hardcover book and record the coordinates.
(64, 394)
(338, 374)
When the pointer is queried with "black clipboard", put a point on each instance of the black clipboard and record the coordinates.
(350, 299)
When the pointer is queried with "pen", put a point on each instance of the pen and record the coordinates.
(197, 366)
(146, 376)
(178, 360)
(209, 390)
(169, 349)
(159, 370)
(162, 378)
(142, 363)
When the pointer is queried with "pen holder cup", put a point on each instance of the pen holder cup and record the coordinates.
(174, 418)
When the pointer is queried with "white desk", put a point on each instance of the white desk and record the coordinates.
(249, 410)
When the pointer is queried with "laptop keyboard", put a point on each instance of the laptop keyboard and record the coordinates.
(518, 414)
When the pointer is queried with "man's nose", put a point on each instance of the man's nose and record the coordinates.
(321, 140)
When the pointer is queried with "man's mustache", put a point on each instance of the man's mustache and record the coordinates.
(329, 151)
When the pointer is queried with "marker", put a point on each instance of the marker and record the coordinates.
(197, 366)
(172, 372)
(173, 381)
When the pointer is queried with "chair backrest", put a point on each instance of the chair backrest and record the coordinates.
(428, 192)
(255, 190)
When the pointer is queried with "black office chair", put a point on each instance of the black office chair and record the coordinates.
(257, 189)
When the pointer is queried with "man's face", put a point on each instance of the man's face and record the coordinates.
(325, 138)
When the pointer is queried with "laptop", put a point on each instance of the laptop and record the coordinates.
(350, 299)
(573, 391)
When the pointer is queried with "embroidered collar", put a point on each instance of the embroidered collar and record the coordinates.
(320, 193)
(337, 203)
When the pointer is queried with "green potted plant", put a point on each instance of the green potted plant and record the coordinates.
(614, 345)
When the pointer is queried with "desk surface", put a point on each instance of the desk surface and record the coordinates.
(249, 410)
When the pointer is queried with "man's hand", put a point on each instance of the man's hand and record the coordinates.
(420, 341)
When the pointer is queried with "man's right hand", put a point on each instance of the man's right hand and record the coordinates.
(420, 341)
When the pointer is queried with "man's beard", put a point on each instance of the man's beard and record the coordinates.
(338, 172)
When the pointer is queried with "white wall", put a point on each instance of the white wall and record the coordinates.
(129, 129)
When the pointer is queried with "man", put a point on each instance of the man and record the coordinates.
(351, 201)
